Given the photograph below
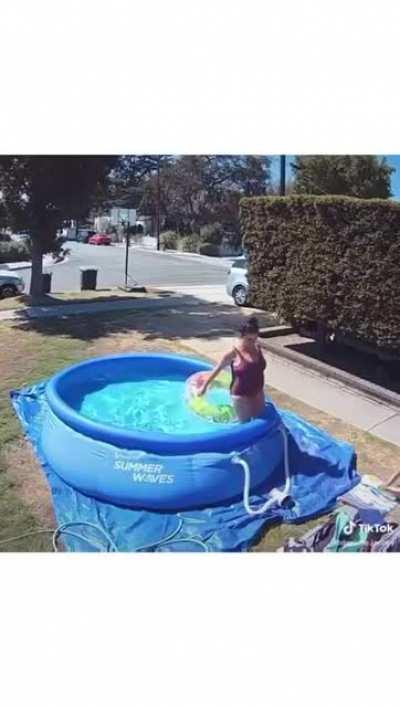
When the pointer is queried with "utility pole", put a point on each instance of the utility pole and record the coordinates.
(158, 203)
(283, 175)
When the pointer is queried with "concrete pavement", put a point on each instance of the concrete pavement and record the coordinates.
(206, 293)
(58, 311)
(208, 328)
(180, 296)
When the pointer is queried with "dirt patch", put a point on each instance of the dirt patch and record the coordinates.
(135, 341)
(29, 482)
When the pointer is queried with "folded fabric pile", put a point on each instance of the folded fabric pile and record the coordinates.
(359, 524)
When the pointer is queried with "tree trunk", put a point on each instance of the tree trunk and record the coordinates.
(37, 270)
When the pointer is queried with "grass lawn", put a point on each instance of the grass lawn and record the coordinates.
(33, 350)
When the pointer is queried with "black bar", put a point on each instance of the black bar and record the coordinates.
(283, 175)
(127, 256)
(158, 204)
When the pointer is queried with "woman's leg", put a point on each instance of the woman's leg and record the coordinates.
(247, 408)
(242, 408)
(258, 404)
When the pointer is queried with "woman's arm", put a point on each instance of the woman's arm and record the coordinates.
(225, 361)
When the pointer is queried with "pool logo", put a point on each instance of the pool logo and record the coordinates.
(145, 473)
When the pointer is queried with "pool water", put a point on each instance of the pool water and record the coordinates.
(151, 404)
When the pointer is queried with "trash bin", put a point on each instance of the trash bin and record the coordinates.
(46, 283)
(88, 278)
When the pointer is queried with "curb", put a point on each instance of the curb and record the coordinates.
(372, 390)
(279, 330)
(21, 265)
(24, 265)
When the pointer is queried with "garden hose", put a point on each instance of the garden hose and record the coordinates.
(63, 529)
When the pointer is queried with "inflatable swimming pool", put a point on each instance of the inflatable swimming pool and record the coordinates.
(117, 429)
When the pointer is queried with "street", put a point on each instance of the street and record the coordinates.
(145, 268)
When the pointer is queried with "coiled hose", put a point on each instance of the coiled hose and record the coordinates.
(63, 529)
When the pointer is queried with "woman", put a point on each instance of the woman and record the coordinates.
(247, 365)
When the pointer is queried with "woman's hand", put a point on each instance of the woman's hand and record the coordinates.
(225, 361)
(202, 389)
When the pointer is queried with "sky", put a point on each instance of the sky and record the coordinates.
(393, 160)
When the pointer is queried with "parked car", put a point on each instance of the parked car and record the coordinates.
(237, 285)
(100, 239)
(83, 235)
(11, 284)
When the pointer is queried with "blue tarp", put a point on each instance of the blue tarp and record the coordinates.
(322, 469)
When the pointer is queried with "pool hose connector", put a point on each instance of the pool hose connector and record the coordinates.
(276, 496)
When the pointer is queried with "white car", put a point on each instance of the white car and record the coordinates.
(237, 285)
(11, 284)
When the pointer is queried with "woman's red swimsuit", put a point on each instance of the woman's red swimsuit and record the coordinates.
(247, 376)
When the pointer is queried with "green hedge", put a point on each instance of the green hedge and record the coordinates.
(333, 261)
(169, 240)
(14, 252)
(189, 244)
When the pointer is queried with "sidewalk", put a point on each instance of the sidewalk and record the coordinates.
(207, 328)
(207, 293)
(181, 294)
(48, 262)
(70, 310)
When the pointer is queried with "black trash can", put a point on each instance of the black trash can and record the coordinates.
(46, 283)
(88, 278)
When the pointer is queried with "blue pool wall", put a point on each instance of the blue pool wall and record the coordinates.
(150, 470)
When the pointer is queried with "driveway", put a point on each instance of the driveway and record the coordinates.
(145, 268)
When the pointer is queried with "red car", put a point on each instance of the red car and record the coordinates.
(100, 239)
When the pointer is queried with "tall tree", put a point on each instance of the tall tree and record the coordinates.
(129, 177)
(364, 176)
(38, 193)
(198, 189)
(248, 174)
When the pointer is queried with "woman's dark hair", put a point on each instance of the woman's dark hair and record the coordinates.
(249, 326)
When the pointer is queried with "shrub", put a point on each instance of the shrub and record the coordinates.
(209, 249)
(212, 233)
(189, 244)
(14, 252)
(333, 261)
(168, 240)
